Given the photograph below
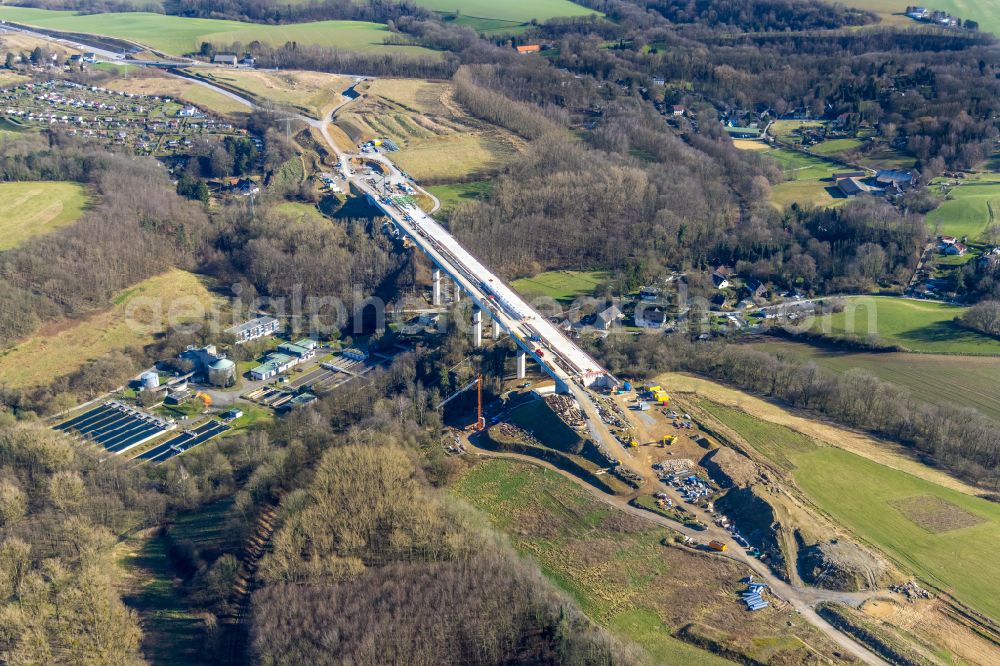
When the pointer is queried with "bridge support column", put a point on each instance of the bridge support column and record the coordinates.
(522, 359)
(436, 287)
(477, 327)
(496, 330)
(457, 292)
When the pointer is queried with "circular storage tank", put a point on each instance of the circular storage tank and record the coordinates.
(222, 372)
(149, 380)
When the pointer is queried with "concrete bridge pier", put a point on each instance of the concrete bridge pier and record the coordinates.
(522, 361)
(496, 330)
(457, 292)
(436, 287)
(477, 327)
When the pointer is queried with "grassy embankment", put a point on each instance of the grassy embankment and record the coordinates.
(313, 93)
(179, 35)
(60, 348)
(618, 571)
(164, 85)
(918, 326)
(439, 143)
(946, 537)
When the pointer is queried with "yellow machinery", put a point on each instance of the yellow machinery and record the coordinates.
(668, 440)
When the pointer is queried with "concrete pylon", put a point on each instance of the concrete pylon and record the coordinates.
(477, 327)
(458, 291)
(436, 287)
(496, 329)
(522, 362)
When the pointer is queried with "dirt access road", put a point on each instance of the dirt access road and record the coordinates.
(802, 600)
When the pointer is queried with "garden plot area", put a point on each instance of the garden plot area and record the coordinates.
(438, 141)
(148, 125)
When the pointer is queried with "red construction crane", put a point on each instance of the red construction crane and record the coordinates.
(480, 423)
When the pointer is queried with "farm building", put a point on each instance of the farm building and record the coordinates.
(900, 180)
(529, 48)
(851, 186)
(225, 59)
(259, 327)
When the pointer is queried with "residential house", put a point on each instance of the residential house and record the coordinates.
(720, 277)
(224, 59)
(649, 293)
(650, 317)
(677, 110)
(258, 327)
(608, 318)
(956, 250)
(529, 48)
(754, 289)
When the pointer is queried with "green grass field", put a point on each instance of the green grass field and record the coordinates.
(835, 146)
(563, 286)
(617, 571)
(866, 497)
(172, 632)
(454, 194)
(918, 326)
(969, 209)
(808, 179)
(31, 208)
(986, 12)
(515, 11)
(179, 35)
(782, 129)
(942, 379)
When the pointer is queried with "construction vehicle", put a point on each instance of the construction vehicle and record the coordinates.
(718, 546)
(668, 440)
